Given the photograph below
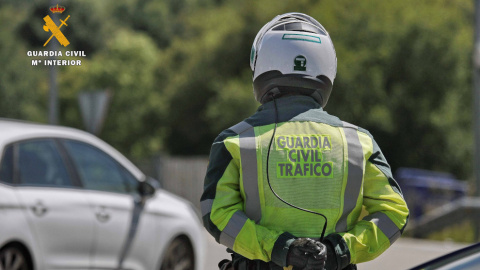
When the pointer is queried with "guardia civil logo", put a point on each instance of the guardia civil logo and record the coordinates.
(55, 34)
(50, 26)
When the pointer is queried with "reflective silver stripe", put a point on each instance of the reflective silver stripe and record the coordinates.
(206, 206)
(248, 156)
(240, 127)
(385, 224)
(226, 240)
(233, 228)
(355, 174)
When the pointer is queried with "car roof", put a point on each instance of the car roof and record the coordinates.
(15, 129)
(12, 130)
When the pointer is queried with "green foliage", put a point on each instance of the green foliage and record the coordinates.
(179, 71)
(21, 86)
(407, 80)
(124, 67)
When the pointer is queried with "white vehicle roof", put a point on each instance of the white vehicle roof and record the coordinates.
(17, 130)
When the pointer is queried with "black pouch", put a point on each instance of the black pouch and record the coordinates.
(242, 263)
(225, 265)
(350, 267)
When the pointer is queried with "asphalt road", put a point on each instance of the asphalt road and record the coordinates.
(404, 254)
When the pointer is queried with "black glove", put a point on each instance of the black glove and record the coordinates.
(331, 263)
(307, 254)
(338, 255)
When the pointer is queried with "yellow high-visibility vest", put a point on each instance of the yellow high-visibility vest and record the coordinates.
(317, 162)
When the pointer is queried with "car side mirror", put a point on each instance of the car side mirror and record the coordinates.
(146, 188)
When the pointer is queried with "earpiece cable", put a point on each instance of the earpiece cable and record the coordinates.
(268, 178)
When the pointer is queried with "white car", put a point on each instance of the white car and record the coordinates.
(70, 201)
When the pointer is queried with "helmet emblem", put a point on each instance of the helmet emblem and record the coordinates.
(300, 63)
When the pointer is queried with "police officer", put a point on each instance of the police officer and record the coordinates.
(309, 158)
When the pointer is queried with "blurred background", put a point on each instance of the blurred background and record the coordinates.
(177, 73)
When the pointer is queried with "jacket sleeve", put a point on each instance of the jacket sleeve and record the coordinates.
(223, 211)
(387, 211)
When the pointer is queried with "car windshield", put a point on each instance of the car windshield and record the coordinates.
(471, 262)
(464, 259)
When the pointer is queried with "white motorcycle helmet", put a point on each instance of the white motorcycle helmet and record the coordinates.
(293, 53)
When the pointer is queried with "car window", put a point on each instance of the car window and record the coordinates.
(40, 164)
(99, 171)
(6, 168)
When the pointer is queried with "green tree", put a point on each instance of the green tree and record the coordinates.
(126, 69)
(179, 71)
(404, 74)
(21, 85)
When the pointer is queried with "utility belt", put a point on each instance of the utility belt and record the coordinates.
(239, 262)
